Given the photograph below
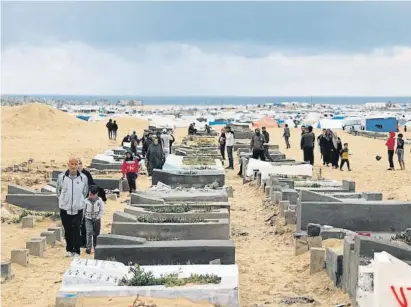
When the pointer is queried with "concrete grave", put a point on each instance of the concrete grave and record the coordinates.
(334, 265)
(225, 293)
(191, 178)
(166, 252)
(34, 202)
(16, 189)
(357, 216)
(58, 232)
(208, 230)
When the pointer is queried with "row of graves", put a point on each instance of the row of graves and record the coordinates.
(169, 241)
(372, 262)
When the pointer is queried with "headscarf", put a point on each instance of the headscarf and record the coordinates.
(335, 140)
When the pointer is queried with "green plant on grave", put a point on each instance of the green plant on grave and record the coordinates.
(154, 219)
(316, 185)
(183, 208)
(140, 277)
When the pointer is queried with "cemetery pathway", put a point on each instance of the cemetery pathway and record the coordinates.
(268, 269)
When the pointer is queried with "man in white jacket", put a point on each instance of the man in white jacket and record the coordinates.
(229, 145)
(71, 189)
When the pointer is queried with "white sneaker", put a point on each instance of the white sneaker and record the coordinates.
(76, 255)
(69, 254)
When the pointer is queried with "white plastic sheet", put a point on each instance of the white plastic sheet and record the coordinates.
(265, 168)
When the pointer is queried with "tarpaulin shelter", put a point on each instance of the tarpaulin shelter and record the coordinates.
(265, 122)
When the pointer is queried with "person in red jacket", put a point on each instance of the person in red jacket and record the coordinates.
(130, 169)
(391, 149)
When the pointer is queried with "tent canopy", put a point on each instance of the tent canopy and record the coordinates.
(265, 122)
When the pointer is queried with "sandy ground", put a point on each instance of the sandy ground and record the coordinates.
(268, 270)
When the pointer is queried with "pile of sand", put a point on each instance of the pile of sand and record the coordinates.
(37, 117)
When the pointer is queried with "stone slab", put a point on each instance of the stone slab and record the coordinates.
(107, 183)
(307, 195)
(357, 216)
(43, 241)
(290, 195)
(120, 216)
(17, 189)
(103, 166)
(35, 202)
(58, 231)
(170, 252)
(111, 239)
(216, 230)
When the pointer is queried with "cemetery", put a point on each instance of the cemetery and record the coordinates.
(174, 239)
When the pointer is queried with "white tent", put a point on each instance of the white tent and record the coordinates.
(330, 124)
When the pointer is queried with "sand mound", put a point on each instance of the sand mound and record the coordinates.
(38, 117)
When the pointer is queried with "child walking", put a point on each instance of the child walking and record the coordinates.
(344, 157)
(130, 170)
(93, 211)
(400, 151)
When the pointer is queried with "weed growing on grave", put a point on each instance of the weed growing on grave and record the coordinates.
(151, 219)
(52, 215)
(139, 278)
(316, 185)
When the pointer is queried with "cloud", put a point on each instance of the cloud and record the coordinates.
(184, 69)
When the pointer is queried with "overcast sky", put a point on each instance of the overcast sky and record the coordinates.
(206, 48)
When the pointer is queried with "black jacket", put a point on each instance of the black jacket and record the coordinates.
(307, 140)
(126, 139)
(266, 136)
(101, 192)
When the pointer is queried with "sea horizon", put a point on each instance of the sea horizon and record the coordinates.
(219, 100)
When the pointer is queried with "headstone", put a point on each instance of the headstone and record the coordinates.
(43, 241)
(50, 237)
(20, 256)
(58, 231)
(317, 259)
(290, 217)
(313, 230)
(35, 248)
(28, 222)
(6, 270)
(229, 190)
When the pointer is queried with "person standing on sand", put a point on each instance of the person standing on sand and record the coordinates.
(71, 190)
(267, 140)
(286, 136)
(307, 145)
(390, 147)
(130, 170)
(229, 145)
(115, 128)
(336, 150)
(166, 138)
(126, 139)
(221, 143)
(155, 156)
(93, 207)
(109, 127)
(257, 145)
(101, 194)
(400, 151)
